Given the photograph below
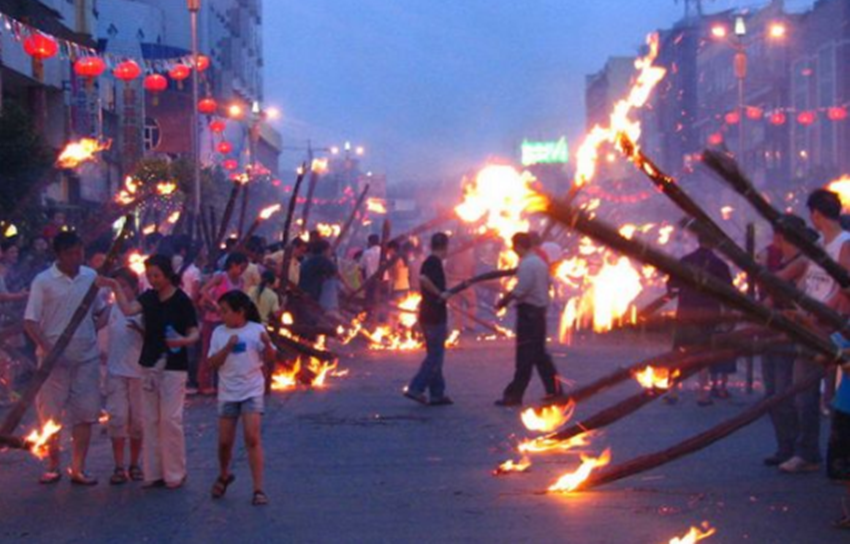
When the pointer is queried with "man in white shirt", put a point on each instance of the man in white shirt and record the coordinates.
(825, 208)
(73, 385)
(531, 295)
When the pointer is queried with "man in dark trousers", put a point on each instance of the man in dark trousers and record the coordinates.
(433, 318)
(697, 317)
(531, 295)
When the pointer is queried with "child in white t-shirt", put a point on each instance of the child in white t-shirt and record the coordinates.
(124, 383)
(237, 349)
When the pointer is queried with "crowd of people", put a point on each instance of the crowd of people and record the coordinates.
(196, 325)
(797, 421)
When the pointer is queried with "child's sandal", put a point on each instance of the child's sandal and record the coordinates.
(136, 473)
(260, 499)
(220, 486)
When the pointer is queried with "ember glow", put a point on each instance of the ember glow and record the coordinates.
(513, 467)
(76, 153)
(37, 440)
(547, 419)
(128, 194)
(136, 262)
(572, 480)
(166, 188)
(647, 79)
(726, 212)
(695, 535)
(329, 230)
(270, 211)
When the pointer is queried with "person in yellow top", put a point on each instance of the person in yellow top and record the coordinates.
(265, 297)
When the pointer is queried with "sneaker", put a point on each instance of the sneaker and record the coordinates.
(798, 465)
(442, 401)
(775, 460)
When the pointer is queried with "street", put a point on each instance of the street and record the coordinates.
(356, 462)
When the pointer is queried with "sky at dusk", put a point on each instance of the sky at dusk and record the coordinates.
(432, 88)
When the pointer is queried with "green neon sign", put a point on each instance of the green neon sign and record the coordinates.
(555, 152)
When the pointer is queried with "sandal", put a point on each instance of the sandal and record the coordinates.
(220, 486)
(119, 476)
(260, 498)
(136, 473)
(50, 477)
(82, 479)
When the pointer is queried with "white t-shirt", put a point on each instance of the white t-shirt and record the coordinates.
(371, 260)
(241, 376)
(124, 344)
(818, 284)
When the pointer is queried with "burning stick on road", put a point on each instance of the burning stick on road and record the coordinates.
(14, 416)
(704, 224)
(698, 279)
(728, 170)
(700, 441)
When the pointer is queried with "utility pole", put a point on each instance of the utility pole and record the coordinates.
(194, 7)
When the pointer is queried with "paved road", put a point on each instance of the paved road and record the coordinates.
(358, 463)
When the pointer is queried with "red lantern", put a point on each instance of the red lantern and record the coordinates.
(40, 47)
(225, 148)
(218, 126)
(733, 118)
(230, 164)
(180, 72)
(806, 118)
(203, 63)
(127, 71)
(155, 83)
(715, 139)
(837, 113)
(89, 67)
(207, 106)
(778, 118)
(276, 183)
(754, 114)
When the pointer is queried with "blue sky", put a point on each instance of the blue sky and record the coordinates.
(432, 88)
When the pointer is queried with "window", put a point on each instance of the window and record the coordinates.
(152, 134)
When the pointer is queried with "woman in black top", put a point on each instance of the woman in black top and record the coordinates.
(170, 326)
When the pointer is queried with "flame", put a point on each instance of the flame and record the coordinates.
(270, 211)
(328, 230)
(37, 440)
(664, 234)
(104, 417)
(695, 535)
(548, 418)
(136, 262)
(656, 378)
(511, 466)
(174, 217)
(166, 188)
(572, 480)
(726, 212)
(150, 229)
(286, 378)
(76, 153)
(376, 205)
(286, 318)
(647, 79)
(547, 444)
(127, 195)
(319, 166)
(841, 187)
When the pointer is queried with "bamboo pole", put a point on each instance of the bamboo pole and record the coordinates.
(287, 227)
(700, 441)
(358, 205)
(243, 211)
(487, 276)
(727, 170)
(696, 278)
(704, 224)
(13, 418)
(308, 204)
(225, 219)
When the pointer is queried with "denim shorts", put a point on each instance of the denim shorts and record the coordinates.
(254, 405)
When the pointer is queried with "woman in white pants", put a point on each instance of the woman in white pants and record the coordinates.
(170, 326)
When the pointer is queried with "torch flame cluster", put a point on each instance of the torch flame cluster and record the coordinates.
(266, 213)
(652, 378)
(571, 481)
(695, 535)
